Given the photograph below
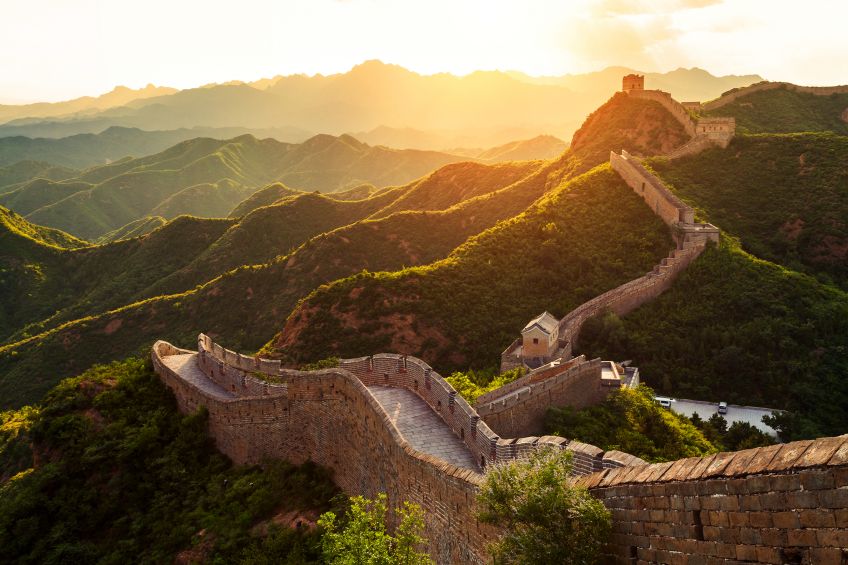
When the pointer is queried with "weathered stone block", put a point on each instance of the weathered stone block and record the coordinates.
(787, 520)
(817, 519)
(801, 537)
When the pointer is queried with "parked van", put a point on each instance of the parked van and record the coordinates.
(664, 401)
(722, 407)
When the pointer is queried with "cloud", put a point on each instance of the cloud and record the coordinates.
(615, 40)
(648, 7)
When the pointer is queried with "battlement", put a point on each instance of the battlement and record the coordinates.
(777, 504)
(633, 82)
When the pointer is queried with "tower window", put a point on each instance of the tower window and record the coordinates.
(535, 341)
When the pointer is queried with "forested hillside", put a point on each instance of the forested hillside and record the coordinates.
(782, 110)
(208, 178)
(785, 196)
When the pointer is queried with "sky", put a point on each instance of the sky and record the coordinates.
(59, 49)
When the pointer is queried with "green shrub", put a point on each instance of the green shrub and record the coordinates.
(544, 517)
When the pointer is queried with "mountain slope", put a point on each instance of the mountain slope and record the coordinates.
(210, 177)
(266, 196)
(22, 171)
(540, 147)
(463, 310)
(783, 110)
(136, 228)
(784, 195)
(738, 329)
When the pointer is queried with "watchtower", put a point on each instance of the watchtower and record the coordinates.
(633, 82)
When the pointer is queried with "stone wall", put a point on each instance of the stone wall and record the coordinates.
(630, 295)
(674, 107)
(718, 130)
(331, 418)
(522, 412)
(736, 94)
(651, 189)
(779, 504)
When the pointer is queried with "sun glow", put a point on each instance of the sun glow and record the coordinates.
(53, 49)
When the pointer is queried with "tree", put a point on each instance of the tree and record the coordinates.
(361, 537)
(544, 516)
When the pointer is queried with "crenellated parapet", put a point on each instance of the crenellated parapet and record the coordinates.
(783, 503)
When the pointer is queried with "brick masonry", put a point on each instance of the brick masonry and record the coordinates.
(777, 504)
(258, 410)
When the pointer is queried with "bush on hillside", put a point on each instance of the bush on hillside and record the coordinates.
(544, 517)
(630, 420)
(107, 470)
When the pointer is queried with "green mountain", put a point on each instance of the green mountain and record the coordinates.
(783, 110)
(266, 294)
(743, 330)
(209, 177)
(136, 228)
(22, 171)
(462, 311)
(785, 196)
(540, 147)
(270, 194)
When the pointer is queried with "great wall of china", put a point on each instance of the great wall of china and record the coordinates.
(389, 423)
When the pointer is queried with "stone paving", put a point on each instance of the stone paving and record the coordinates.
(421, 427)
(185, 365)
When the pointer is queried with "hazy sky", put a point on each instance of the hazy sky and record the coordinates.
(59, 49)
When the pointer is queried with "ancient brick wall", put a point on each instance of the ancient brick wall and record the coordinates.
(329, 417)
(630, 295)
(779, 504)
(674, 107)
(661, 201)
(521, 412)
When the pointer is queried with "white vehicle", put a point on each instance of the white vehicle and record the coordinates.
(722, 407)
(664, 401)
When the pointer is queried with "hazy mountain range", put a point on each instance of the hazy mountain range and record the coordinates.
(379, 103)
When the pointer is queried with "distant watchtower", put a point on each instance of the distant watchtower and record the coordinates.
(633, 82)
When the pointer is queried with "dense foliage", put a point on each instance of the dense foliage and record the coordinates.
(737, 436)
(736, 328)
(106, 470)
(630, 420)
(263, 294)
(472, 384)
(463, 311)
(783, 111)
(360, 536)
(785, 196)
(545, 518)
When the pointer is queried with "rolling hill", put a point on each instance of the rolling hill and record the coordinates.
(783, 110)
(209, 177)
(266, 294)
